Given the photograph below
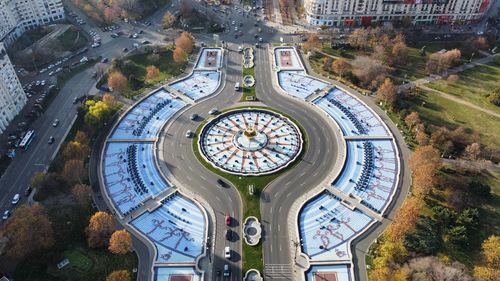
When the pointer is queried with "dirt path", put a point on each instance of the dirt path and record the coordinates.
(460, 101)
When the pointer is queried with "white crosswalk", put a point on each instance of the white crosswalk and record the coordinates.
(278, 272)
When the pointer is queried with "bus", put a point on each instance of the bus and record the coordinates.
(27, 139)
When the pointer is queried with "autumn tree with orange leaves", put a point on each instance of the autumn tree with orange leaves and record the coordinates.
(387, 92)
(99, 230)
(117, 81)
(120, 242)
(28, 230)
(405, 220)
(424, 163)
(180, 55)
(119, 275)
(152, 72)
(185, 42)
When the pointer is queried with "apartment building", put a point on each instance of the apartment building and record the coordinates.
(17, 16)
(364, 12)
(12, 96)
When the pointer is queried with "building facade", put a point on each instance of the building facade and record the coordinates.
(12, 96)
(17, 16)
(364, 12)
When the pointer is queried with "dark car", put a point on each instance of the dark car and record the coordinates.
(221, 183)
(229, 234)
(27, 191)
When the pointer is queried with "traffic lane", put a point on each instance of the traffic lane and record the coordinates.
(314, 163)
(27, 163)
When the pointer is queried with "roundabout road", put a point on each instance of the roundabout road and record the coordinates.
(189, 172)
(317, 163)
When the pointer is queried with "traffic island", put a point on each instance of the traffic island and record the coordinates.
(250, 187)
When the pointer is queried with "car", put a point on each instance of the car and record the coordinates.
(104, 60)
(75, 100)
(233, 22)
(227, 270)
(55, 123)
(213, 111)
(260, 39)
(227, 252)
(51, 140)
(16, 199)
(42, 83)
(256, 45)
(194, 116)
(227, 220)
(229, 234)
(37, 83)
(43, 70)
(189, 133)
(6, 215)
(50, 66)
(221, 183)
(135, 35)
(52, 73)
(28, 190)
(125, 50)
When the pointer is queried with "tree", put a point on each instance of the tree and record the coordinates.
(340, 67)
(76, 150)
(405, 220)
(109, 100)
(387, 92)
(494, 97)
(28, 230)
(100, 227)
(185, 42)
(412, 119)
(120, 242)
(119, 275)
(426, 238)
(167, 20)
(81, 138)
(81, 193)
(489, 270)
(431, 268)
(369, 71)
(390, 253)
(186, 9)
(422, 138)
(109, 15)
(441, 61)
(97, 113)
(359, 38)
(37, 179)
(312, 42)
(74, 171)
(381, 274)
(399, 53)
(152, 72)
(472, 151)
(117, 81)
(326, 62)
(424, 163)
(180, 55)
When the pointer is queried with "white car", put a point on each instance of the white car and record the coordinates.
(135, 35)
(189, 133)
(227, 253)
(6, 215)
(42, 83)
(55, 123)
(16, 199)
(213, 111)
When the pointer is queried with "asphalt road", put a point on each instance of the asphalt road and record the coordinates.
(188, 171)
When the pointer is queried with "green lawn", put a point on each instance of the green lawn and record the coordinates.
(252, 256)
(72, 39)
(134, 68)
(443, 112)
(474, 85)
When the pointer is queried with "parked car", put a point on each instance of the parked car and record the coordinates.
(227, 219)
(51, 139)
(16, 199)
(189, 133)
(227, 253)
(194, 116)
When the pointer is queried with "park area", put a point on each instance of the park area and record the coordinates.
(135, 69)
(474, 85)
